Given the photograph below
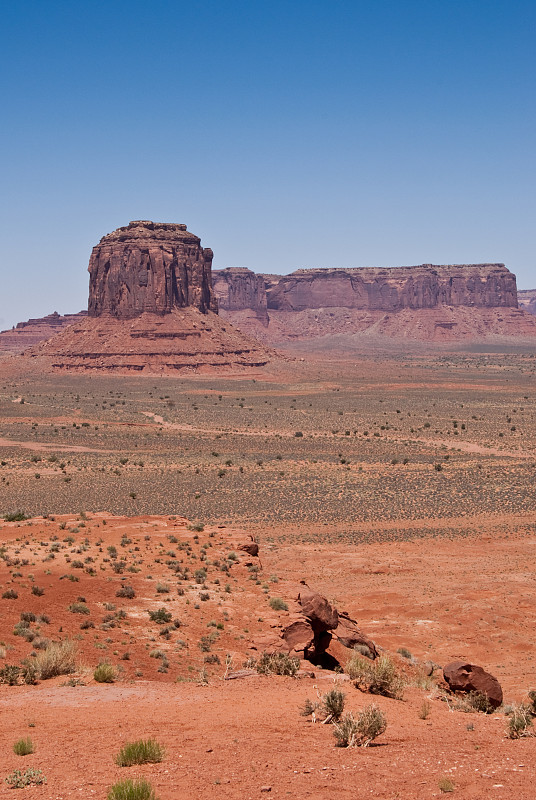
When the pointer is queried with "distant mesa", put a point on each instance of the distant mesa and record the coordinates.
(151, 309)
(527, 300)
(26, 334)
(427, 302)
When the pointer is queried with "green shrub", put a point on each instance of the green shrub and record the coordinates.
(57, 659)
(377, 677)
(352, 732)
(11, 594)
(126, 591)
(104, 673)
(519, 722)
(161, 616)
(144, 751)
(10, 674)
(78, 608)
(277, 664)
(131, 790)
(18, 779)
(333, 704)
(278, 604)
(16, 516)
(23, 747)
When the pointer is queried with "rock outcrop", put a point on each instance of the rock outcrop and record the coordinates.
(238, 288)
(425, 286)
(345, 308)
(462, 676)
(151, 309)
(149, 267)
(311, 626)
(26, 334)
(527, 300)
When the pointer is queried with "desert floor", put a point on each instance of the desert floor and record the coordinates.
(402, 489)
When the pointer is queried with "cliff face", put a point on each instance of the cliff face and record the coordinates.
(28, 333)
(425, 286)
(149, 267)
(527, 300)
(238, 288)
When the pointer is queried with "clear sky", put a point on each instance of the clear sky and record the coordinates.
(284, 133)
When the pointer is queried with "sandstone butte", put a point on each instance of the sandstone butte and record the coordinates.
(527, 300)
(426, 302)
(151, 308)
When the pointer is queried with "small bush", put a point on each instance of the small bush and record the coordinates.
(333, 704)
(11, 594)
(424, 711)
(519, 722)
(278, 604)
(16, 516)
(10, 674)
(377, 677)
(446, 785)
(144, 751)
(38, 591)
(23, 747)
(126, 591)
(196, 526)
(104, 673)
(131, 790)
(161, 616)
(57, 659)
(18, 779)
(405, 653)
(475, 701)
(277, 664)
(351, 732)
(78, 608)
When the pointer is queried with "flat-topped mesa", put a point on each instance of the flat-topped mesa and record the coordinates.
(238, 288)
(149, 267)
(396, 288)
(527, 300)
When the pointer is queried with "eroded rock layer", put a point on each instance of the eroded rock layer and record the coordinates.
(183, 340)
(239, 288)
(149, 266)
(425, 286)
(527, 300)
(33, 331)
(341, 306)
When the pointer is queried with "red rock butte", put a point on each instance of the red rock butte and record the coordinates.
(149, 266)
(151, 308)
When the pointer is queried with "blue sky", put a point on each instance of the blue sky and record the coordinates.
(284, 134)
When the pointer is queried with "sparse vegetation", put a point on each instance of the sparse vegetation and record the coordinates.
(131, 790)
(277, 664)
(361, 731)
(23, 747)
(377, 677)
(143, 751)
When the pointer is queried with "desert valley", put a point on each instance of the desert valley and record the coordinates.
(269, 535)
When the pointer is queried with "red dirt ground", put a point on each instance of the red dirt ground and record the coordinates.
(440, 598)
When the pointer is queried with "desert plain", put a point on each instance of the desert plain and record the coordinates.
(400, 486)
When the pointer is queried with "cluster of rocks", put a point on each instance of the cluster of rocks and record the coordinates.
(311, 626)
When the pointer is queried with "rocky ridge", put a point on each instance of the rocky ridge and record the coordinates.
(26, 334)
(426, 302)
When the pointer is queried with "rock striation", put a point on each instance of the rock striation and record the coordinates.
(151, 309)
(424, 286)
(434, 303)
(238, 288)
(26, 334)
(149, 267)
(527, 300)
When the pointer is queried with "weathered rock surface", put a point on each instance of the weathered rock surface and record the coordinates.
(424, 286)
(26, 334)
(349, 635)
(463, 676)
(238, 288)
(310, 626)
(319, 612)
(149, 267)
(151, 309)
(424, 303)
(527, 300)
